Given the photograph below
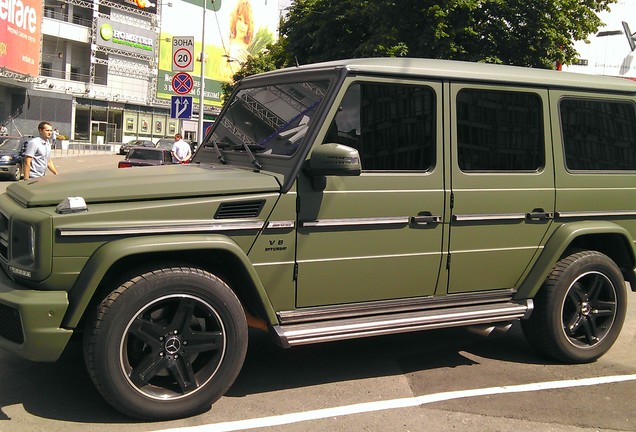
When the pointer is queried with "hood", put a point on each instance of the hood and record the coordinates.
(142, 183)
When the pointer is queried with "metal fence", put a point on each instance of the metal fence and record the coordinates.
(80, 148)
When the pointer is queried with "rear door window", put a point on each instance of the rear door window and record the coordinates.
(598, 135)
(499, 131)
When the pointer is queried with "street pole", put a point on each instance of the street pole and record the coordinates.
(202, 79)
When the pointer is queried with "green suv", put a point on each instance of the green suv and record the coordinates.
(335, 201)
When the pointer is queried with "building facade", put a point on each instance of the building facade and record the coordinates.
(95, 67)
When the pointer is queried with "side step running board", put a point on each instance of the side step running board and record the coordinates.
(351, 328)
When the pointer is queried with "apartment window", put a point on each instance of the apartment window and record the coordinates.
(47, 69)
(75, 74)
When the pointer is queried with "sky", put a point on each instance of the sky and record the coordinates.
(608, 52)
(284, 3)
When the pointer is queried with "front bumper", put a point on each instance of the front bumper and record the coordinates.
(6, 169)
(30, 321)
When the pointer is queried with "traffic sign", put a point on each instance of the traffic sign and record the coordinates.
(181, 107)
(182, 53)
(182, 83)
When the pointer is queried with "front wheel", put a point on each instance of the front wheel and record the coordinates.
(580, 310)
(166, 344)
(17, 175)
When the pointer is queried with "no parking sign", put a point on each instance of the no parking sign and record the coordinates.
(182, 83)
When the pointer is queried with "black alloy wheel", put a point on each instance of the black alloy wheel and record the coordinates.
(167, 344)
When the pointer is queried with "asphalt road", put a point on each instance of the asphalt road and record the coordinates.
(443, 380)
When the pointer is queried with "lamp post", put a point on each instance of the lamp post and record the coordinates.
(202, 79)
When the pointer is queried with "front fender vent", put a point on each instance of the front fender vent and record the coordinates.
(239, 209)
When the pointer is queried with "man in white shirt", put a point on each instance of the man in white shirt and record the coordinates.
(37, 156)
(181, 152)
(54, 135)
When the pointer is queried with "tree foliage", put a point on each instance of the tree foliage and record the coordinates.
(536, 33)
(533, 33)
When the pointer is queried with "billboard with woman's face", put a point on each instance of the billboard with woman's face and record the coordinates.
(234, 30)
(20, 34)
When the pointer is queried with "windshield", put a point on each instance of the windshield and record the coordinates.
(165, 143)
(10, 145)
(269, 120)
(145, 154)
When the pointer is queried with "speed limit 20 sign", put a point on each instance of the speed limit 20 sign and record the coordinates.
(182, 53)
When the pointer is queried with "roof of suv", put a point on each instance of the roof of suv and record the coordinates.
(467, 71)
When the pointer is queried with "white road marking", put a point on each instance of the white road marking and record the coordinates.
(283, 419)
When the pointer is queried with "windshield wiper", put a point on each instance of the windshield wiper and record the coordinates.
(217, 148)
(248, 150)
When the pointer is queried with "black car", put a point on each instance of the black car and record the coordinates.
(11, 149)
(143, 156)
(123, 149)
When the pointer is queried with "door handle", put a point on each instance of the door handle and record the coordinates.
(423, 219)
(539, 214)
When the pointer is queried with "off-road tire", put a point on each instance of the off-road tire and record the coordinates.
(580, 309)
(166, 344)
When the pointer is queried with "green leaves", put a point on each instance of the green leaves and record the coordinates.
(535, 33)
(521, 32)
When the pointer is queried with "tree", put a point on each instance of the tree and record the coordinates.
(534, 33)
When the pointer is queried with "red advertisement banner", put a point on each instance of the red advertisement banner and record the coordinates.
(20, 34)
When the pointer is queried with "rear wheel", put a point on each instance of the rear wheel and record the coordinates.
(166, 344)
(580, 310)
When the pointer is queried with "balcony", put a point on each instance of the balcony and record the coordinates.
(60, 28)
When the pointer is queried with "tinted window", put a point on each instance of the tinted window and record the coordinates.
(499, 131)
(598, 135)
(144, 154)
(392, 126)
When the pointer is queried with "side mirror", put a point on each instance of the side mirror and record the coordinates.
(334, 160)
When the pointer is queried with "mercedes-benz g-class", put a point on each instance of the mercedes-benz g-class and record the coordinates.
(334, 201)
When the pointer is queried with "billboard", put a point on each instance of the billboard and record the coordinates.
(124, 37)
(234, 30)
(145, 5)
(20, 33)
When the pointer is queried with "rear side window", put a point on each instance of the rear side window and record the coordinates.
(598, 135)
(391, 125)
(143, 154)
(499, 131)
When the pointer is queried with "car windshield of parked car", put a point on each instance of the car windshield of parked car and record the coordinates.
(165, 143)
(144, 154)
(269, 120)
(10, 145)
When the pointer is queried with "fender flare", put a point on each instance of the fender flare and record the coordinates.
(558, 242)
(108, 254)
